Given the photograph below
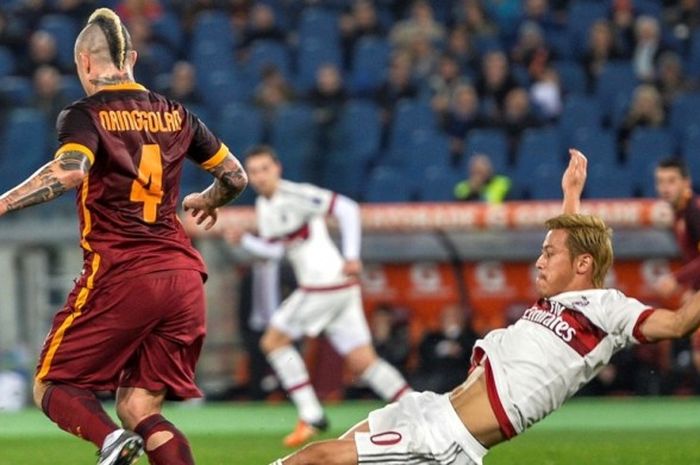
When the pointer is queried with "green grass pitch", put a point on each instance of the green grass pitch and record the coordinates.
(584, 432)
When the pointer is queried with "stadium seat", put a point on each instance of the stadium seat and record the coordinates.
(318, 24)
(264, 53)
(369, 65)
(690, 151)
(646, 147)
(488, 141)
(24, 143)
(607, 181)
(599, 146)
(386, 184)
(16, 90)
(8, 62)
(585, 14)
(358, 131)
(426, 148)
(683, 114)
(168, 30)
(71, 87)
(312, 54)
(544, 182)
(219, 88)
(538, 147)
(580, 111)
(211, 25)
(64, 29)
(438, 184)
(240, 126)
(617, 77)
(409, 116)
(207, 56)
(572, 77)
(294, 134)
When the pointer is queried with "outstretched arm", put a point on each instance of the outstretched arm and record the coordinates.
(230, 181)
(50, 181)
(573, 181)
(668, 324)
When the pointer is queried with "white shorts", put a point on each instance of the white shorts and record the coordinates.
(421, 428)
(337, 313)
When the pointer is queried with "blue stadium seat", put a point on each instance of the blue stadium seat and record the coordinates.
(219, 88)
(24, 143)
(409, 116)
(240, 126)
(207, 56)
(318, 24)
(599, 146)
(294, 135)
(683, 114)
(538, 147)
(211, 25)
(491, 142)
(572, 77)
(690, 151)
(646, 147)
(358, 131)
(16, 90)
(64, 29)
(168, 30)
(544, 182)
(345, 174)
(162, 57)
(438, 184)
(8, 62)
(579, 111)
(617, 77)
(426, 148)
(582, 14)
(312, 54)
(267, 52)
(608, 182)
(71, 88)
(386, 184)
(369, 64)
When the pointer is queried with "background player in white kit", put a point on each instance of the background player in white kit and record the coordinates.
(291, 219)
(523, 372)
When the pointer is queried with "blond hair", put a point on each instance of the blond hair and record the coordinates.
(587, 234)
(118, 39)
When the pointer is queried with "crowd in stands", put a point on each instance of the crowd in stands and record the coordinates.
(387, 100)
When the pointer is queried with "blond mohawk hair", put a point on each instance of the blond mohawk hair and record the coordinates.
(117, 37)
(587, 234)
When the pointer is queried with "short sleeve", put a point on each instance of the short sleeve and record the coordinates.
(626, 316)
(76, 132)
(312, 200)
(205, 149)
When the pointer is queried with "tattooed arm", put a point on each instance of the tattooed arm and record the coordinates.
(230, 181)
(50, 181)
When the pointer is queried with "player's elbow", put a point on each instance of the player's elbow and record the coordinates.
(73, 178)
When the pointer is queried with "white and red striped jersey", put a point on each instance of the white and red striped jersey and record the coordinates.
(558, 345)
(295, 217)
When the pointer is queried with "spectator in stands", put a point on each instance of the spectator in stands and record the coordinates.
(622, 20)
(546, 94)
(646, 110)
(150, 65)
(445, 352)
(390, 335)
(327, 98)
(494, 83)
(421, 23)
(76, 9)
(12, 34)
(30, 12)
(671, 81)
(398, 85)
(42, 51)
(482, 184)
(359, 22)
(444, 82)
(517, 116)
(48, 97)
(647, 47)
(461, 46)
(461, 116)
(262, 25)
(424, 58)
(601, 49)
(531, 51)
(538, 12)
(682, 18)
(183, 84)
(474, 16)
(273, 92)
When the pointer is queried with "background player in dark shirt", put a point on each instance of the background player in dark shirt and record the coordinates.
(135, 321)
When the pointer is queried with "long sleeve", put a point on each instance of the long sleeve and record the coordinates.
(262, 248)
(347, 212)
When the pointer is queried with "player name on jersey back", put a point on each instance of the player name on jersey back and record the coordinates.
(139, 120)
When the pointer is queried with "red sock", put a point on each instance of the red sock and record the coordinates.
(77, 411)
(175, 451)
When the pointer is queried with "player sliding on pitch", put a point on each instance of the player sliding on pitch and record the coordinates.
(521, 373)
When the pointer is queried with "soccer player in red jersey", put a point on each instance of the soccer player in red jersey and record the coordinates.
(135, 321)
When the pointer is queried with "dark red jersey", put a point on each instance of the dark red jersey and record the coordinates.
(687, 229)
(137, 141)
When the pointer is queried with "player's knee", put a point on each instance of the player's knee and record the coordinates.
(38, 391)
(132, 410)
(272, 340)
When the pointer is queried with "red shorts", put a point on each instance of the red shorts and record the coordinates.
(144, 332)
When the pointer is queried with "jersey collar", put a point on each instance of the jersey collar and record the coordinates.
(124, 86)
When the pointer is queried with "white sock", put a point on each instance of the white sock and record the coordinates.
(292, 373)
(386, 381)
